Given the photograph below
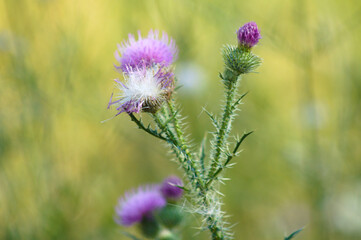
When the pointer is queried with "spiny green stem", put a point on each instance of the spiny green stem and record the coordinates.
(229, 158)
(292, 235)
(164, 127)
(191, 169)
(141, 126)
(177, 126)
(183, 144)
(202, 155)
(216, 231)
(171, 140)
(222, 133)
(185, 159)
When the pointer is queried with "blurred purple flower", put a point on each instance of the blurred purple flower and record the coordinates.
(148, 51)
(169, 188)
(139, 204)
(144, 89)
(248, 35)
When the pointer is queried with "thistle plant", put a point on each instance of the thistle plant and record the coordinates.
(147, 88)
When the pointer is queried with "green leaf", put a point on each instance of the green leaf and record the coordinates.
(182, 187)
(146, 129)
(202, 154)
(292, 235)
(221, 76)
(171, 118)
(178, 87)
(239, 100)
(239, 142)
(213, 118)
(229, 158)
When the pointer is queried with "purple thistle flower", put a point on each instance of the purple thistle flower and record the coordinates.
(169, 188)
(139, 204)
(144, 89)
(248, 35)
(148, 51)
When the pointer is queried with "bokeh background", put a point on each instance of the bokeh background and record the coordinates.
(62, 170)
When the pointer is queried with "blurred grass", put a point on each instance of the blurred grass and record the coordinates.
(61, 170)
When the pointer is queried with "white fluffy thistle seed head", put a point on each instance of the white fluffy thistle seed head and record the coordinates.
(143, 89)
(141, 86)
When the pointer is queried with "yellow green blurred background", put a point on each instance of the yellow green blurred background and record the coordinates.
(62, 170)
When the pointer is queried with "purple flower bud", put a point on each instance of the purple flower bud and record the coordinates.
(149, 51)
(248, 35)
(169, 188)
(139, 204)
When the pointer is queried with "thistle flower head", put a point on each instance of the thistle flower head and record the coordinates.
(137, 205)
(248, 35)
(144, 89)
(149, 51)
(170, 189)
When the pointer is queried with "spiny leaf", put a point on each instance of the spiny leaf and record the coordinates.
(171, 118)
(213, 118)
(239, 142)
(221, 76)
(146, 129)
(292, 235)
(229, 158)
(202, 154)
(182, 187)
(239, 100)
(178, 87)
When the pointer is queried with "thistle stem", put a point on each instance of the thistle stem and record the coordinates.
(177, 126)
(141, 126)
(181, 150)
(229, 158)
(231, 83)
(213, 225)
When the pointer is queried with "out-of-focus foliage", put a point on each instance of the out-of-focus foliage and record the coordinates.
(61, 170)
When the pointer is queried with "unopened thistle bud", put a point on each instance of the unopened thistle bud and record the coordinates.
(240, 60)
(170, 188)
(149, 227)
(170, 216)
(248, 35)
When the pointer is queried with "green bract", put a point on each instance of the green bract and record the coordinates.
(240, 60)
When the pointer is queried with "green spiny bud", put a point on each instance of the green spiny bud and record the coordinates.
(240, 60)
(170, 216)
(149, 227)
